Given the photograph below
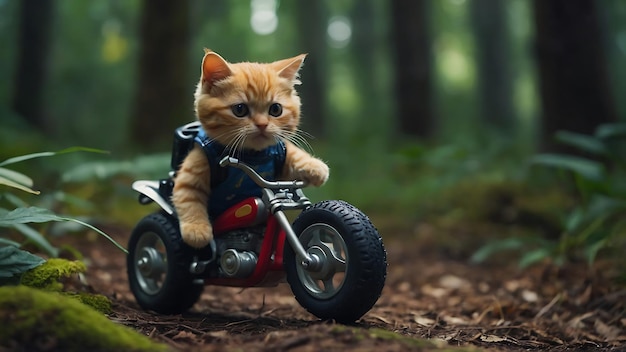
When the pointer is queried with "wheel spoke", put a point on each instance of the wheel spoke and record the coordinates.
(326, 243)
(329, 285)
(316, 239)
(337, 264)
(151, 263)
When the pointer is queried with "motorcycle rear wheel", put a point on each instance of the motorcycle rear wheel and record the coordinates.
(354, 262)
(158, 266)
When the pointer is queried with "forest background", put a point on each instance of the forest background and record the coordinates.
(427, 111)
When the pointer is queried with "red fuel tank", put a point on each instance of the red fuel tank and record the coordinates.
(246, 213)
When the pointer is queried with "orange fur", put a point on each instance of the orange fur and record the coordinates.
(223, 85)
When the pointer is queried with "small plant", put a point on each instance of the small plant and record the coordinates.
(598, 218)
(13, 260)
(40, 311)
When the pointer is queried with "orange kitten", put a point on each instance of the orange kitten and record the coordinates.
(245, 109)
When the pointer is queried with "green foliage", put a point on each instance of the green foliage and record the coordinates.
(14, 261)
(38, 215)
(23, 215)
(154, 165)
(598, 218)
(32, 319)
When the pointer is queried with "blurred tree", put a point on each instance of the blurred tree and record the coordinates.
(163, 92)
(366, 60)
(311, 18)
(413, 67)
(492, 37)
(363, 47)
(36, 18)
(573, 77)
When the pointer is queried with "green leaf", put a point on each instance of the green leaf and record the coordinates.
(149, 165)
(583, 142)
(611, 130)
(7, 242)
(574, 219)
(7, 182)
(21, 158)
(37, 238)
(605, 206)
(16, 177)
(14, 261)
(592, 250)
(27, 215)
(14, 200)
(534, 256)
(588, 169)
(39, 215)
(496, 246)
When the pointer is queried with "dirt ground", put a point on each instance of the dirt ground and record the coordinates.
(431, 301)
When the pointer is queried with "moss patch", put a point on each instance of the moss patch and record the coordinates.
(34, 320)
(47, 275)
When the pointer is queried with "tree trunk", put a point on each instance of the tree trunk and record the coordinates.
(164, 94)
(32, 63)
(493, 62)
(413, 67)
(573, 81)
(312, 20)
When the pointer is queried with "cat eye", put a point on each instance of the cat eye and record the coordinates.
(240, 110)
(276, 110)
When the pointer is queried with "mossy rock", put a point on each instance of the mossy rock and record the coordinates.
(32, 319)
(47, 275)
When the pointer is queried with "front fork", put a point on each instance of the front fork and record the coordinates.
(309, 261)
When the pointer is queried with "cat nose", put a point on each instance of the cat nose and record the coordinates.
(261, 127)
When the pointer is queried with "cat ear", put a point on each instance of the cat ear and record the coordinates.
(288, 68)
(214, 68)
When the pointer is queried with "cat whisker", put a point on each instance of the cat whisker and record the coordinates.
(298, 137)
(237, 145)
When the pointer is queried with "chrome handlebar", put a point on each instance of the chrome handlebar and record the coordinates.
(234, 162)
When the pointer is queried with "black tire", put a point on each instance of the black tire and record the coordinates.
(342, 292)
(158, 266)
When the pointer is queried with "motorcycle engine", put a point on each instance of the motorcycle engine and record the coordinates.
(238, 251)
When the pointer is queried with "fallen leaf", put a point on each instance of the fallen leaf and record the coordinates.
(220, 334)
(512, 285)
(383, 319)
(455, 320)
(184, 335)
(610, 333)
(423, 321)
(492, 338)
(530, 296)
(452, 282)
(404, 286)
(577, 321)
(436, 292)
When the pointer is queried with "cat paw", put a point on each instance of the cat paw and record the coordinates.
(196, 235)
(316, 172)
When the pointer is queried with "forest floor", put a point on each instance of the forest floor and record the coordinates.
(432, 301)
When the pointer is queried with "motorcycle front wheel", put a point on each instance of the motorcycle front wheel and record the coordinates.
(353, 262)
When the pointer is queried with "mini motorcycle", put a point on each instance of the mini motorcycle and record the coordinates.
(332, 256)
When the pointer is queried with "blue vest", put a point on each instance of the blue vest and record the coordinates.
(230, 185)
